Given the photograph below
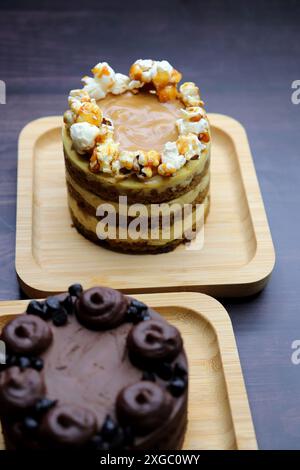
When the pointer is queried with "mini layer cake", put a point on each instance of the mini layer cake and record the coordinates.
(138, 137)
(91, 370)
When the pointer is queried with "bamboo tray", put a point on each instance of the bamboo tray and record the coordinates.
(219, 414)
(237, 257)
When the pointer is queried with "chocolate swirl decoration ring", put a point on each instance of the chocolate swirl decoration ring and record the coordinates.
(101, 308)
(20, 388)
(67, 424)
(153, 341)
(145, 405)
(27, 334)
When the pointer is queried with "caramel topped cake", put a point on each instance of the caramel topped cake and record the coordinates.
(140, 137)
(91, 370)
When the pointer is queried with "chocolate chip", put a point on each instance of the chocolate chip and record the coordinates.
(75, 290)
(30, 424)
(60, 317)
(44, 404)
(11, 360)
(147, 375)
(137, 311)
(68, 304)
(24, 362)
(179, 371)
(52, 303)
(96, 442)
(35, 308)
(164, 370)
(145, 316)
(109, 428)
(37, 363)
(177, 386)
(128, 435)
(139, 305)
(117, 441)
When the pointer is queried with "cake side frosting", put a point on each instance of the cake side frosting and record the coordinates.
(93, 369)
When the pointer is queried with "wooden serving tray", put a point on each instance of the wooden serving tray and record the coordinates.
(237, 257)
(219, 414)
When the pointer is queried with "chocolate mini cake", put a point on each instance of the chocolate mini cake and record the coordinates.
(93, 369)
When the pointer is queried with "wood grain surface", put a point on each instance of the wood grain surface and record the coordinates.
(244, 56)
(218, 415)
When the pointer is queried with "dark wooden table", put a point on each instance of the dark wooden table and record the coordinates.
(244, 55)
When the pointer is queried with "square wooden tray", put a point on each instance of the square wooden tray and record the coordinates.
(237, 257)
(219, 414)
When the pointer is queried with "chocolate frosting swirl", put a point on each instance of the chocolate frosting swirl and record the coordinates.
(68, 425)
(153, 341)
(20, 389)
(145, 405)
(101, 308)
(27, 334)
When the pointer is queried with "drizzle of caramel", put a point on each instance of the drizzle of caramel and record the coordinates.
(141, 122)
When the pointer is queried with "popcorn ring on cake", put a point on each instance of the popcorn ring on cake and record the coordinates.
(93, 135)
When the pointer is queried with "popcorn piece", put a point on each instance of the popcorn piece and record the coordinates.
(103, 81)
(106, 130)
(204, 137)
(167, 94)
(189, 146)
(151, 158)
(128, 160)
(190, 94)
(89, 112)
(69, 118)
(147, 172)
(106, 81)
(193, 113)
(143, 70)
(106, 153)
(84, 136)
(76, 98)
(192, 122)
(171, 160)
(123, 83)
(160, 73)
(94, 164)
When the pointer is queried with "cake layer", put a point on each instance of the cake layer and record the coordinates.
(156, 189)
(90, 201)
(86, 224)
